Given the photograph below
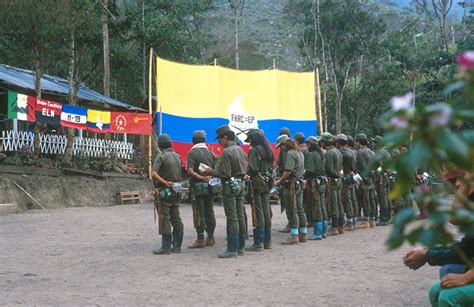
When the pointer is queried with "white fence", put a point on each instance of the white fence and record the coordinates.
(56, 144)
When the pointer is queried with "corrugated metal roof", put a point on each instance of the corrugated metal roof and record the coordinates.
(26, 79)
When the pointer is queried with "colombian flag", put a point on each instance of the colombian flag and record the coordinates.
(98, 121)
(193, 97)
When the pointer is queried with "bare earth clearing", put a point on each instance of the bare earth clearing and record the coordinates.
(103, 256)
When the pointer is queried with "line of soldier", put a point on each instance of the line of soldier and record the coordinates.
(316, 177)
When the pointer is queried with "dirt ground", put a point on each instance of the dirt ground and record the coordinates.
(102, 256)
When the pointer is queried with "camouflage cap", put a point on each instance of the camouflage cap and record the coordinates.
(299, 136)
(281, 139)
(286, 131)
(327, 137)
(221, 130)
(199, 134)
(350, 138)
(378, 139)
(341, 136)
(360, 136)
(251, 133)
(164, 138)
(311, 138)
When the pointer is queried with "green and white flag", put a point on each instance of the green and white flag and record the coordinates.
(20, 106)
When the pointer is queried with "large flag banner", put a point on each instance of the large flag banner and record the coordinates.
(48, 112)
(131, 123)
(195, 97)
(73, 117)
(98, 121)
(21, 107)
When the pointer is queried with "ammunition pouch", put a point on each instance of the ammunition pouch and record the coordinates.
(201, 188)
(233, 187)
(169, 195)
(259, 182)
(348, 180)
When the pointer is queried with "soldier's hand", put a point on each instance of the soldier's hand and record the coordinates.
(169, 184)
(246, 177)
(207, 178)
(207, 171)
(415, 258)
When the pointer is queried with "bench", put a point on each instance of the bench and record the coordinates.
(128, 196)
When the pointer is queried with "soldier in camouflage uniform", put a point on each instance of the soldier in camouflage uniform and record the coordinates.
(349, 169)
(260, 171)
(231, 170)
(382, 183)
(364, 156)
(316, 177)
(333, 169)
(299, 138)
(280, 169)
(353, 188)
(292, 181)
(202, 197)
(166, 171)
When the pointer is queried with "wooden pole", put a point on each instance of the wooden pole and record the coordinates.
(215, 62)
(149, 110)
(156, 95)
(274, 64)
(318, 91)
(161, 121)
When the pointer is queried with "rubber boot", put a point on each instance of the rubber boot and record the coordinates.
(199, 243)
(241, 248)
(267, 240)
(383, 219)
(324, 233)
(232, 246)
(318, 231)
(165, 248)
(210, 241)
(257, 245)
(177, 241)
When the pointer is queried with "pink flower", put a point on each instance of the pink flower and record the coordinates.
(466, 60)
(441, 117)
(398, 122)
(402, 102)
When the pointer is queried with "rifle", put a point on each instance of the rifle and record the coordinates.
(314, 199)
(159, 211)
(292, 205)
(328, 197)
(253, 205)
(196, 214)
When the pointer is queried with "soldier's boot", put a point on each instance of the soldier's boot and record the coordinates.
(257, 246)
(286, 229)
(349, 226)
(177, 242)
(324, 234)
(293, 239)
(372, 224)
(383, 220)
(340, 226)
(232, 247)
(303, 235)
(165, 248)
(364, 224)
(199, 243)
(267, 240)
(210, 241)
(241, 248)
(318, 231)
(333, 231)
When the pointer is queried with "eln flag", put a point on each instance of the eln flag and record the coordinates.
(21, 107)
(73, 117)
(98, 121)
(48, 112)
(131, 123)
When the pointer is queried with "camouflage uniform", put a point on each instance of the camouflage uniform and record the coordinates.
(365, 155)
(333, 167)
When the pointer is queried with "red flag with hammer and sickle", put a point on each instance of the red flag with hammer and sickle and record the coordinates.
(130, 123)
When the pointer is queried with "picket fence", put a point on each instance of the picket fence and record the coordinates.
(11, 141)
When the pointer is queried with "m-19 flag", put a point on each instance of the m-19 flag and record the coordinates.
(21, 107)
(98, 121)
(73, 117)
(48, 112)
(130, 123)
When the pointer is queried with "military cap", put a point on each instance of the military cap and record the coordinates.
(285, 130)
(378, 139)
(251, 133)
(164, 138)
(299, 136)
(350, 138)
(341, 136)
(326, 137)
(360, 136)
(311, 138)
(199, 134)
(318, 138)
(281, 139)
(221, 130)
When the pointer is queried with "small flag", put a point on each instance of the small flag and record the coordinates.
(73, 117)
(21, 107)
(48, 112)
(131, 123)
(98, 121)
